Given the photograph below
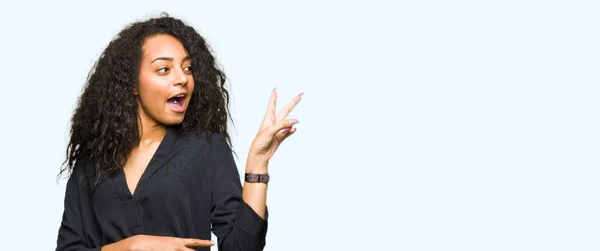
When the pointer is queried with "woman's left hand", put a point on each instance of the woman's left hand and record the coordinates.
(274, 129)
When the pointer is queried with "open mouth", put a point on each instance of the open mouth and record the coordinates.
(177, 103)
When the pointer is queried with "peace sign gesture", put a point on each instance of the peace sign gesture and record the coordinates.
(274, 129)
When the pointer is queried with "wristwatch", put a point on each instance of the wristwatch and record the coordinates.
(257, 178)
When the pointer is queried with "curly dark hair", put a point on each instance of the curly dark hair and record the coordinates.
(104, 126)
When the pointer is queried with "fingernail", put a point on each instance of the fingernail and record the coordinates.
(211, 242)
(293, 121)
(285, 130)
(301, 94)
(274, 89)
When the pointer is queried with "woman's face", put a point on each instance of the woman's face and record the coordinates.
(165, 82)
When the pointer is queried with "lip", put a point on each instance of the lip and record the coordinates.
(181, 93)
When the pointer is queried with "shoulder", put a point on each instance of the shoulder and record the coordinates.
(77, 174)
(206, 137)
(207, 141)
(211, 150)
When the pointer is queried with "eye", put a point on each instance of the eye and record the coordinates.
(163, 70)
(188, 68)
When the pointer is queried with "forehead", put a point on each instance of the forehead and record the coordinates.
(163, 46)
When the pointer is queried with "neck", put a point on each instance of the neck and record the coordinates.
(151, 133)
(150, 130)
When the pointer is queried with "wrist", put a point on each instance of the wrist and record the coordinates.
(257, 166)
(257, 170)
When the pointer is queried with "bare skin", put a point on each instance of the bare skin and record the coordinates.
(273, 130)
(138, 161)
(165, 72)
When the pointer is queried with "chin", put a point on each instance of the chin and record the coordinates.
(172, 121)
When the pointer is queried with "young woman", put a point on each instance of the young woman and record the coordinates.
(149, 158)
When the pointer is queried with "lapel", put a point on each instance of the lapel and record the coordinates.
(163, 153)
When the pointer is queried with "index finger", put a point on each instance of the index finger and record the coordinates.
(272, 102)
(190, 242)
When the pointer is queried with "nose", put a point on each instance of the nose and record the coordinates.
(180, 78)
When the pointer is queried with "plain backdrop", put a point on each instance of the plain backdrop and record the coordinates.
(425, 125)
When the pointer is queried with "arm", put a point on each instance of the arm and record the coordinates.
(273, 130)
(241, 222)
(234, 222)
(71, 236)
(255, 194)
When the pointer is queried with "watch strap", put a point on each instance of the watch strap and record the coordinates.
(257, 178)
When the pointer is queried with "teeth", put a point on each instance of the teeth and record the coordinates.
(175, 100)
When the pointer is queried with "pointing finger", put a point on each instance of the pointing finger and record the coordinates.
(270, 113)
(272, 102)
(190, 242)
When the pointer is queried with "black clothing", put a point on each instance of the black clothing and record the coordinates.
(188, 185)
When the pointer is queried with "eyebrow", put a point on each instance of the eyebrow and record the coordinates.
(169, 59)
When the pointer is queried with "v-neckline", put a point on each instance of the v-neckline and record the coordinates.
(156, 161)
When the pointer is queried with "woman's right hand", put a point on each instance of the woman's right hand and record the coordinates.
(155, 243)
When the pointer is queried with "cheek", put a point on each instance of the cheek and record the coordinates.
(191, 85)
(151, 91)
(190, 89)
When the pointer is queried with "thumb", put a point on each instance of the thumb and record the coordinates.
(286, 123)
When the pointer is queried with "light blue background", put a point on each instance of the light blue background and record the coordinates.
(426, 125)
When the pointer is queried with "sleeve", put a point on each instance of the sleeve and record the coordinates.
(71, 234)
(236, 225)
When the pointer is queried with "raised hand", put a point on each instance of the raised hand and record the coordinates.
(274, 129)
